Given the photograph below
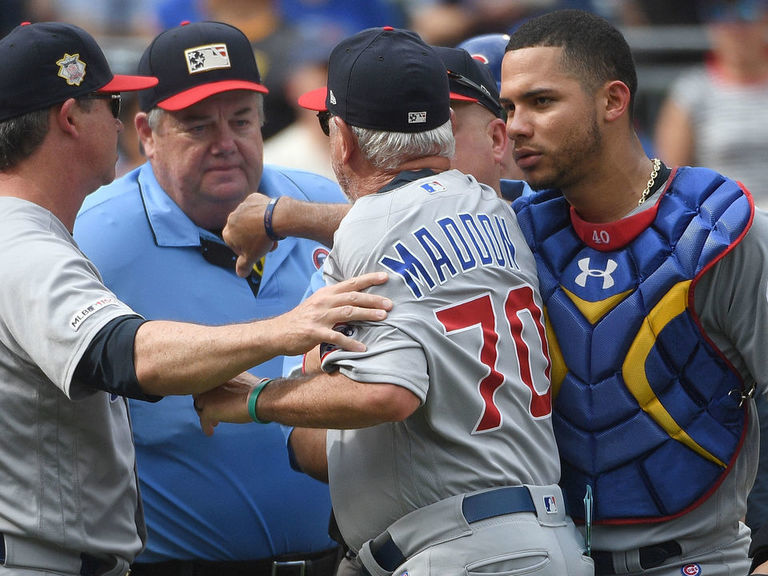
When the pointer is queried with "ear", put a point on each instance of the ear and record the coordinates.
(497, 131)
(617, 99)
(146, 137)
(347, 139)
(67, 117)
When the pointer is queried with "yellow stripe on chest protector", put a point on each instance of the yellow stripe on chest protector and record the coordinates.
(593, 311)
(672, 305)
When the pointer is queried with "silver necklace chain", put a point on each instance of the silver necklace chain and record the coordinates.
(651, 180)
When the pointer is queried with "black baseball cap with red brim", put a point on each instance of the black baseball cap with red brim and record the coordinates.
(196, 60)
(46, 63)
(384, 79)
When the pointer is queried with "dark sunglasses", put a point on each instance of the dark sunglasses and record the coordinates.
(324, 117)
(115, 100)
(462, 80)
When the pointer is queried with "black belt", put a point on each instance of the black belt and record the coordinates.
(508, 500)
(650, 557)
(318, 564)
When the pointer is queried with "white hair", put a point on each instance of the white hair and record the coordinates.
(389, 150)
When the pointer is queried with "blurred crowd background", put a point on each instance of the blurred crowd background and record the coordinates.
(292, 39)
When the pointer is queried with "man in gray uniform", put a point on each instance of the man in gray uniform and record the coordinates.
(69, 349)
(440, 452)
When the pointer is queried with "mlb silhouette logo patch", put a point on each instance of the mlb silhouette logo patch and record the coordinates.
(417, 117)
(690, 570)
(550, 503)
(433, 186)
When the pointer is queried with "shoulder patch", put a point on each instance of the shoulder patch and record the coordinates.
(79, 317)
(319, 256)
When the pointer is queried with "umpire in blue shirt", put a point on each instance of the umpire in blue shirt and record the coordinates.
(231, 504)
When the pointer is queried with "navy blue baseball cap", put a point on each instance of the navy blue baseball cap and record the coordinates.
(470, 80)
(195, 61)
(384, 79)
(489, 49)
(46, 63)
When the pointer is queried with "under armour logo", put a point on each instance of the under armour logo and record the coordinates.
(586, 271)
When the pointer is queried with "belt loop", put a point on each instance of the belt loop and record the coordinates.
(277, 566)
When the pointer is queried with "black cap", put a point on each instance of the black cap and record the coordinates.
(385, 79)
(46, 63)
(195, 61)
(470, 79)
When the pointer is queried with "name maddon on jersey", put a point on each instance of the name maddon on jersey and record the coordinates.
(462, 243)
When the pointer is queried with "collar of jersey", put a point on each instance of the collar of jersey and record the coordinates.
(609, 236)
(170, 226)
(405, 177)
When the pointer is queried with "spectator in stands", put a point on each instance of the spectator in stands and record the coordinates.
(716, 115)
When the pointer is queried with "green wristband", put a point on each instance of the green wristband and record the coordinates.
(253, 397)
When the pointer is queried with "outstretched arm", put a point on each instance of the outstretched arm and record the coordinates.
(182, 358)
(319, 401)
(246, 232)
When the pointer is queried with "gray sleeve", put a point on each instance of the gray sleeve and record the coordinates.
(392, 355)
(55, 306)
(732, 302)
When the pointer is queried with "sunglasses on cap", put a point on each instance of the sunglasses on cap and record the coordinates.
(115, 100)
(324, 117)
(489, 102)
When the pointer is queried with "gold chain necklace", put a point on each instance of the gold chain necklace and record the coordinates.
(651, 180)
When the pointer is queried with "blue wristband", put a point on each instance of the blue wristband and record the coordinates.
(253, 397)
(268, 221)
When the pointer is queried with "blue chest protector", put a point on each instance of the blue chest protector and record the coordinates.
(646, 410)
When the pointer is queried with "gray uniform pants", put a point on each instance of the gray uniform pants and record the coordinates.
(540, 543)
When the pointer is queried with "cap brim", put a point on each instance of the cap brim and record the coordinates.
(124, 83)
(194, 95)
(461, 97)
(314, 99)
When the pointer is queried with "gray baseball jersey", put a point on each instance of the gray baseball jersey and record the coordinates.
(67, 465)
(466, 336)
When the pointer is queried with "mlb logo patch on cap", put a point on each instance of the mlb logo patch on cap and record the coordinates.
(204, 58)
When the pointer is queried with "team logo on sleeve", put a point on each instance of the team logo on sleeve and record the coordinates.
(690, 570)
(72, 69)
(79, 317)
(326, 348)
(318, 257)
